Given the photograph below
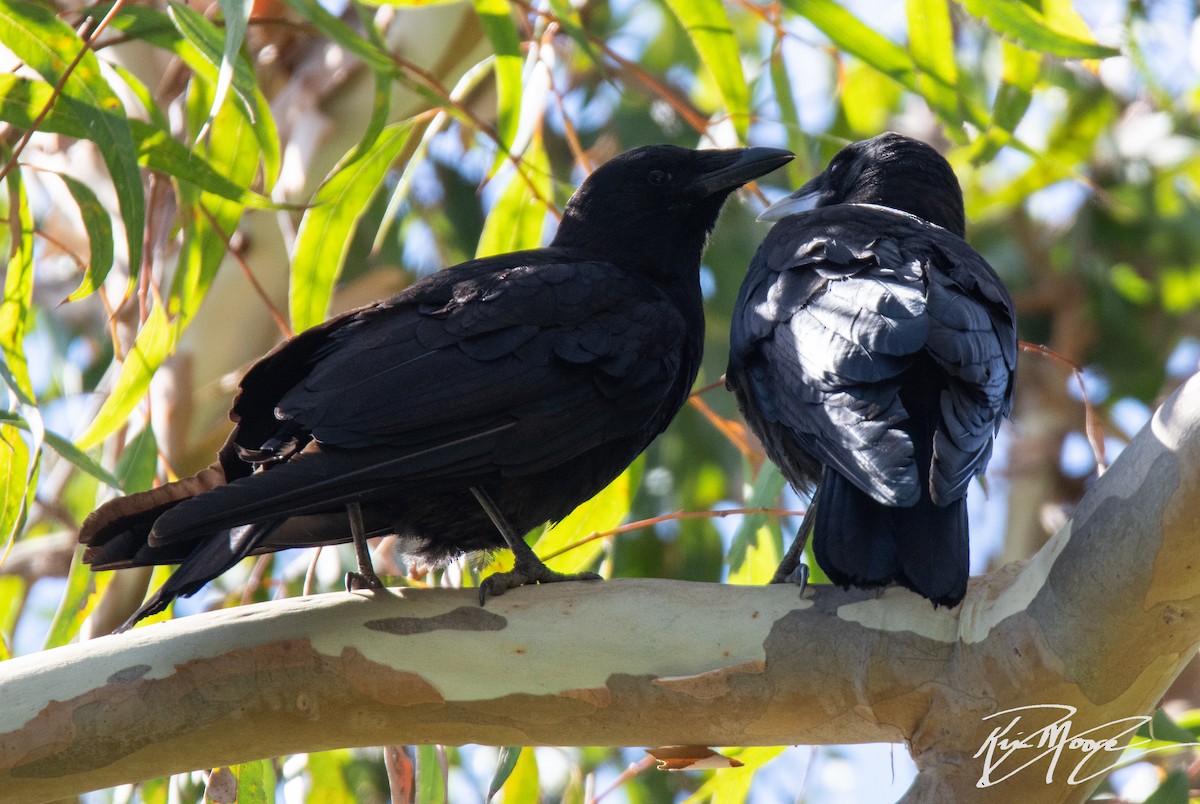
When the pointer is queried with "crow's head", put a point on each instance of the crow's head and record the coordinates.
(890, 170)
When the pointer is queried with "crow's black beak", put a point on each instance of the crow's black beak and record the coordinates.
(806, 198)
(733, 167)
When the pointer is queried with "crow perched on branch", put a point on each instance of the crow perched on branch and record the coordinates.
(872, 351)
(482, 401)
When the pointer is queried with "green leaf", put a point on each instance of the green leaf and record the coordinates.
(18, 477)
(47, 44)
(138, 462)
(234, 70)
(765, 494)
(848, 33)
(708, 27)
(209, 221)
(323, 239)
(522, 784)
(154, 342)
(98, 226)
(328, 772)
(56, 442)
(237, 17)
(519, 216)
(1021, 23)
(497, 21)
(931, 45)
(214, 47)
(16, 307)
(1021, 69)
(255, 782)
(605, 511)
(71, 606)
(733, 784)
(431, 774)
(1175, 789)
(570, 20)
(21, 99)
(504, 768)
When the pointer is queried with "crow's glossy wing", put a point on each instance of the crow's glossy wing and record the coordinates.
(972, 337)
(836, 305)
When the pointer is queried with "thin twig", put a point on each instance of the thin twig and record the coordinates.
(277, 316)
(1091, 423)
(677, 515)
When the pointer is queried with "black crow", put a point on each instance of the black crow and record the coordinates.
(872, 352)
(482, 401)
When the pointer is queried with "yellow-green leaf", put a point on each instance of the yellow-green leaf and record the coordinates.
(708, 27)
(497, 21)
(154, 342)
(47, 45)
(519, 215)
(325, 231)
(1024, 25)
(931, 45)
(603, 512)
(98, 226)
(16, 308)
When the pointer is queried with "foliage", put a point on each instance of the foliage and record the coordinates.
(178, 175)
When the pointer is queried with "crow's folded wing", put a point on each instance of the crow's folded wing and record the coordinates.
(507, 371)
(836, 305)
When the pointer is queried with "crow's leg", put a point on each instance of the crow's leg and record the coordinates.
(792, 569)
(528, 568)
(365, 578)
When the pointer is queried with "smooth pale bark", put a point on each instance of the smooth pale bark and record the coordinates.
(1102, 620)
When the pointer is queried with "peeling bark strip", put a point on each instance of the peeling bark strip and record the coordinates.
(1085, 636)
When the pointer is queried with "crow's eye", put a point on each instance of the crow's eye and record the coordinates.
(658, 177)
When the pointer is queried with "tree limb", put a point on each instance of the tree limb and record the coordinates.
(1102, 619)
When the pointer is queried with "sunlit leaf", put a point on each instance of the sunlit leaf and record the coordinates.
(431, 775)
(1175, 789)
(523, 783)
(255, 782)
(931, 45)
(708, 27)
(16, 473)
(138, 462)
(323, 239)
(505, 762)
(209, 221)
(1021, 71)
(733, 785)
(496, 18)
(72, 610)
(47, 44)
(1028, 27)
(765, 494)
(16, 308)
(22, 99)
(98, 226)
(328, 772)
(519, 215)
(154, 342)
(603, 512)
(231, 71)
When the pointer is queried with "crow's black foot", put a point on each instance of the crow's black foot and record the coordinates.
(356, 581)
(797, 574)
(500, 582)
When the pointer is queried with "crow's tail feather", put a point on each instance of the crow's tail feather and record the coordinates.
(861, 542)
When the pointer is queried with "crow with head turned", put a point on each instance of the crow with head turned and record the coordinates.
(482, 401)
(872, 352)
